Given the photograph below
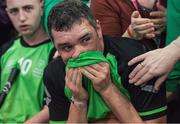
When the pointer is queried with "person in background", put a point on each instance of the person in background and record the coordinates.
(161, 65)
(31, 51)
(115, 18)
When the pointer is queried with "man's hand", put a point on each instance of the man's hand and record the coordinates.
(156, 63)
(99, 74)
(74, 83)
(141, 27)
(159, 19)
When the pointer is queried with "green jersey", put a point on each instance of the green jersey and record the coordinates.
(26, 95)
(173, 31)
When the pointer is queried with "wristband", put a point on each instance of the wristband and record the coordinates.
(78, 103)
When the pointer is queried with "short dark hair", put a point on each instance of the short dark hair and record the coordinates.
(68, 12)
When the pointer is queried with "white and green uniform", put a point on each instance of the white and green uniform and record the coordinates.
(26, 96)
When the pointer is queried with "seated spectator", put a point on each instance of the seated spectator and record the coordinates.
(84, 84)
(30, 52)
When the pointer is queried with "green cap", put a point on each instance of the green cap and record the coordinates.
(49, 4)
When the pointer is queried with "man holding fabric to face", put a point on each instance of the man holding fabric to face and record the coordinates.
(84, 83)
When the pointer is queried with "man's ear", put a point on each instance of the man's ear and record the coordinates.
(42, 6)
(98, 29)
(7, 10)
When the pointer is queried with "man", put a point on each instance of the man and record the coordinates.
(31, 50)
(91, 61)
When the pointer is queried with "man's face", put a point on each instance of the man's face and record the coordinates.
(80, 38)
(25, 15)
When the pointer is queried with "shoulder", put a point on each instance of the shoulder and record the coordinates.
(56, 65)
(124, 47)
(7, 45)
(54, 75)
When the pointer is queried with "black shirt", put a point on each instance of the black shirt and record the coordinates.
(144, 97)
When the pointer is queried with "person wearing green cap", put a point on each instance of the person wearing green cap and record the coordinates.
(31, 51)
(89, 81)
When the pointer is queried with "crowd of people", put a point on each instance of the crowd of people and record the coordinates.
(97, 61)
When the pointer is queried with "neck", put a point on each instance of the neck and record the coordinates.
(147, 3)
(37, 37)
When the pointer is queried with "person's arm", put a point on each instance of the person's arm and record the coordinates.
(41, 117)
(78, 112)
(122, 108)
(156, 63)
(78, 107)
(159, 19)
(126, 109)
(99, 74)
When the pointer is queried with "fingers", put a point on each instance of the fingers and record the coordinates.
(159, 81)
(137, 59)
(150, 35)
(146, 77)
(95, 71)
(144, 32)
(139, 73)
(159, 21)
(157, 14)
(160, 7)
(79, 79)
(74, 75)
(158, 31)
(73, 79)
(68, 79)
(89, 73)
(144, 27)
(134, 72)
(135, 14)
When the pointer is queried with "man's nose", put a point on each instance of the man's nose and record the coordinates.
(22, 16)
(78, 50)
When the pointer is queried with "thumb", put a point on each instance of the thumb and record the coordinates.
(135, 14)
(159, 81)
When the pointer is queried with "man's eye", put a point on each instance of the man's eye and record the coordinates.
(66, 48)
(85, 40)
(28, 8)
(13, 11)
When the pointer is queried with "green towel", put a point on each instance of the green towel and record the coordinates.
(97, 107)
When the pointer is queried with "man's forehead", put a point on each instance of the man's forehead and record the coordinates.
(19, 3)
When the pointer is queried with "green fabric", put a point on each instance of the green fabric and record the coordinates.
(57, 122)
(87, 2)
(97, 108)
(27, 93)
(49, 4)
(173, 85)
(173, 31)
(154, 111)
